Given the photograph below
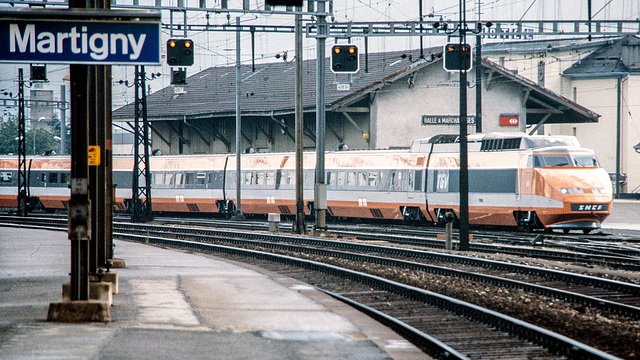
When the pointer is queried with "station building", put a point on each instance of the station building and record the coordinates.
(394, 98)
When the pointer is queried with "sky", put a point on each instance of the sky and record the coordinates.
(215, 48)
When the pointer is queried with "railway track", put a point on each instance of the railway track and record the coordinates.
(591, 250)
(356, 253)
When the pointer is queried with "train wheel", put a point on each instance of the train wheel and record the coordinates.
(527, 220)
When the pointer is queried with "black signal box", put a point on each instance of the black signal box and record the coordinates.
(296, 3)
(180, 52)
(178, 77)
(344, 59)
(456, 57)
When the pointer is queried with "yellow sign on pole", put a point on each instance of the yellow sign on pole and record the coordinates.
(94, 155)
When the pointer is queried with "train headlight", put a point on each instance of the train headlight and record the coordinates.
(571, 191)
(599, 190)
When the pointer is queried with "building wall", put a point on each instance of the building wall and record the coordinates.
(399, 107)
(600, 95)
(631, 111)
(597, 94)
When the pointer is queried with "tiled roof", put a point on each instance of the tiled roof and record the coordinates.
(621, 57)
(270, 88)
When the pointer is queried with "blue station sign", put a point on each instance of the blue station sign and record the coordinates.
(103, 42)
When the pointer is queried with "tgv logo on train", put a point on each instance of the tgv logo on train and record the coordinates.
(80, 42)
(98, 45)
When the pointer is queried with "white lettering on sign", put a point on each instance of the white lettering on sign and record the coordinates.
(98, 45)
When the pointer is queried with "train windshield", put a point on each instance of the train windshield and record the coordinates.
(564, 160)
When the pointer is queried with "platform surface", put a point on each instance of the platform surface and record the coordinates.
(625, 214)
(177, 305)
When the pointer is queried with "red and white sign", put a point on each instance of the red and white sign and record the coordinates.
(509, 120)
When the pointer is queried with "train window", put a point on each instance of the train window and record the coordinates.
(411, 182)
(248, 178)
(201, 178)
(351, 178)
(551, 161)
(179, 179)
(215, 179)
(585, 161)
(53, 178)
(362, 179)
(270, 178)
(341, 178)
(291, 178)
(329, 178)
(373, 179)
(396, 179)
(158, 179)
(260, 178)
(190, 178)
(43, 177)
(64, 178)
(6, 177)
(169, 179)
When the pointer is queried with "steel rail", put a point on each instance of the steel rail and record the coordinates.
(551, 274)
(554, 342)
(557, 275)
(567, 296)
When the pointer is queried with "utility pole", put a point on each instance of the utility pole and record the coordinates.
(142, 210)
(299, 226)
(63, 120)
(464, 170)
(320, 188)
(479, 76)
(238, 213)
(22, 148)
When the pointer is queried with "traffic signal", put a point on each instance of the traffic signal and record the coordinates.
(297, 3)
(180, 52)
(453, 53)
(178, 77)
(344, 59)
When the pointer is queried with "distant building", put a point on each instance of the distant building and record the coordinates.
(602, 75)
(395, 98)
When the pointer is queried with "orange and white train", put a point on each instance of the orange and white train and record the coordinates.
(532, 182)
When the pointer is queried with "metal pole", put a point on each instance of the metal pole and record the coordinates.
(299, 226)
(79, 207)
(63, 120)
(238, 125)
(464, 171)
(108, 170)
(320, 193)
(478, 83)
(618, 137)
(94, 182)
(22, 148)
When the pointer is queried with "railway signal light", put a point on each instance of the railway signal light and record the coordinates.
(456, 57)
(179, 77)
(180, 52)
(296, 3)
(344, 59)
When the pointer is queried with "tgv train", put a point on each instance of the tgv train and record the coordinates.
(532, 182)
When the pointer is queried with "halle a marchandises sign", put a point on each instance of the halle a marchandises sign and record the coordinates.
(83, 41)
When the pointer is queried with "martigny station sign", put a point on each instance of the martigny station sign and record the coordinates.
(79, 38)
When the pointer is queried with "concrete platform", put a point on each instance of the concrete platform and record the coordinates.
(625, 214)
(177, 305)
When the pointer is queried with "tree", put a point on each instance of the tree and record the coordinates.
(8, 135)
(44, 140)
